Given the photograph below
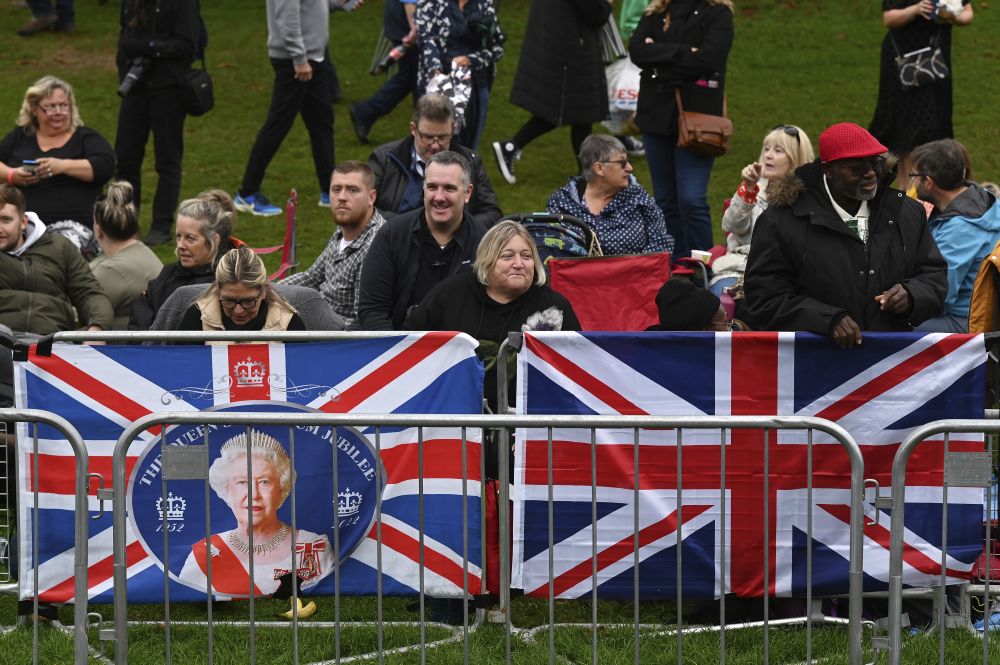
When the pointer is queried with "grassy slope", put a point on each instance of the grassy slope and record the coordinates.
(802, 61)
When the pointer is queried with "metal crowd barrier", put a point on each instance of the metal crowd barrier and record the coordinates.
(961, 469)
(80, 552)
(178, 464)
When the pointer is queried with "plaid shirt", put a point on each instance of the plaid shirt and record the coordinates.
(337, 274)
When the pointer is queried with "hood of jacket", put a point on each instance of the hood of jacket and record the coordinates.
(32, 233)
(976, 205)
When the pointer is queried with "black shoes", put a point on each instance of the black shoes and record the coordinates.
(360, 129)
(158, 237)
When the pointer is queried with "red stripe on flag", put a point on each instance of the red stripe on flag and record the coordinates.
(59, 473)
(391, 370)
(442, 459)
(893, 377)
(754, 392)
(100, 572)
(615, 465)
(433, 560)
(591, 384)
(623, 548)
(911, 555)
(104, 395)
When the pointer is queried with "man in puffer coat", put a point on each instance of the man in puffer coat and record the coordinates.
(43, 276)
(839, 252)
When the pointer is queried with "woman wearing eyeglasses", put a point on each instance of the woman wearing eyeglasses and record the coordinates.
(785, 148)
(59, 164)
(241, 298)
(624, 216)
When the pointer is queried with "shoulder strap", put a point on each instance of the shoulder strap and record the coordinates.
(680, 105)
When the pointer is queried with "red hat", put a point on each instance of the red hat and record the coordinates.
(845, 140)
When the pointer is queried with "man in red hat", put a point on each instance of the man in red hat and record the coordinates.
(839, 251)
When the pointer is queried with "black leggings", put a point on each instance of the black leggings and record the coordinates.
(537, 126)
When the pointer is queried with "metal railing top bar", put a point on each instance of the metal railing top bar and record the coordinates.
(138, 336)
(81, 535)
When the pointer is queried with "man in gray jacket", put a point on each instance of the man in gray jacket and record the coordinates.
(298, 32)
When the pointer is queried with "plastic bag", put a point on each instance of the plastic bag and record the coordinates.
(623, 95)
(456, 86)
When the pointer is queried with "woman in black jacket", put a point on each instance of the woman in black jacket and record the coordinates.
(158, 42)
(560, 75)
(681, 44)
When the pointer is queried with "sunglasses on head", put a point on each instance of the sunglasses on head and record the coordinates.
(791, 130)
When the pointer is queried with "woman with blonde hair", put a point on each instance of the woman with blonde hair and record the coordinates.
(59, 164)
(125, 265)
(784, 149)
(241, 298)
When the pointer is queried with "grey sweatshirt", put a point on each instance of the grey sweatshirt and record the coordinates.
(299, 29)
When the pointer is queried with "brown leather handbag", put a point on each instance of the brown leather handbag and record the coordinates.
(702, 133)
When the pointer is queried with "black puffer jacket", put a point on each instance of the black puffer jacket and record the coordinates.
(390, 163)
(560, 75)
(669, 62)
(807, 268)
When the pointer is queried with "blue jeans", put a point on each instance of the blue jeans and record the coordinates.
(63, 10)
(392, 92)
(946, 323)
(680, 187)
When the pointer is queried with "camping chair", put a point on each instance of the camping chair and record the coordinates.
(612, 292)
(557, 235)
(288, 260)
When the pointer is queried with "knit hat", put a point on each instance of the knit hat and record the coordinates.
(845, 140)
(684, 306)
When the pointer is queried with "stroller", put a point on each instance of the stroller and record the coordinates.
(559, 236)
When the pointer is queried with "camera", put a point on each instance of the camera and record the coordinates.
(133, 76)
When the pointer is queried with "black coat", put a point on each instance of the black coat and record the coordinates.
(460, 303)
(390, 163)
(560, 75)
(807, 268)
(390, 268)
(166, 32)
(172, 277)
(669, 62)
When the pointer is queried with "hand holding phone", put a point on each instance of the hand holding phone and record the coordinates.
(30, 165)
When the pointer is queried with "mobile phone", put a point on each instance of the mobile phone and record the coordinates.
(30, 165)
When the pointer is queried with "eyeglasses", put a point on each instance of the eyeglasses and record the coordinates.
(620, 162)
(245, 305)
(440, 139)
(914, 176)
(52, 108)
(860, 167)
(791, 130)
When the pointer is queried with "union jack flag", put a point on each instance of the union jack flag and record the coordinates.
(103, 389)
(879, 392)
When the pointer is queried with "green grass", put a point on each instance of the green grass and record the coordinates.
(807, 62)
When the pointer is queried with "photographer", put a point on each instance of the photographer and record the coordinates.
(158, 42)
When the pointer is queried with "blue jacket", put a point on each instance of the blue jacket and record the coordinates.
(965, 232)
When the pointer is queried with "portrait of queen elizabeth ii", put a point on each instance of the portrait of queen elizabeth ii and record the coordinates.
(254, 500)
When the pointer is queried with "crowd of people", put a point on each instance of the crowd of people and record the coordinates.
(416, 215)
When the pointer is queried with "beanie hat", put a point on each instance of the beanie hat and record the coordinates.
(845, 140)
(684, 306)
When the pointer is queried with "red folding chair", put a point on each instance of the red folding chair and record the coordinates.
(288, 260)
(612, 292)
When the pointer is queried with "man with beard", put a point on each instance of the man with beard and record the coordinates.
(416, 250)
(337, 271)
(839, 252)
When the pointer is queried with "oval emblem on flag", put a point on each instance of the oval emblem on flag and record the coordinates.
(206, 500)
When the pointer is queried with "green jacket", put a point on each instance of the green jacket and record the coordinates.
(629, 17)
(40, 288)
